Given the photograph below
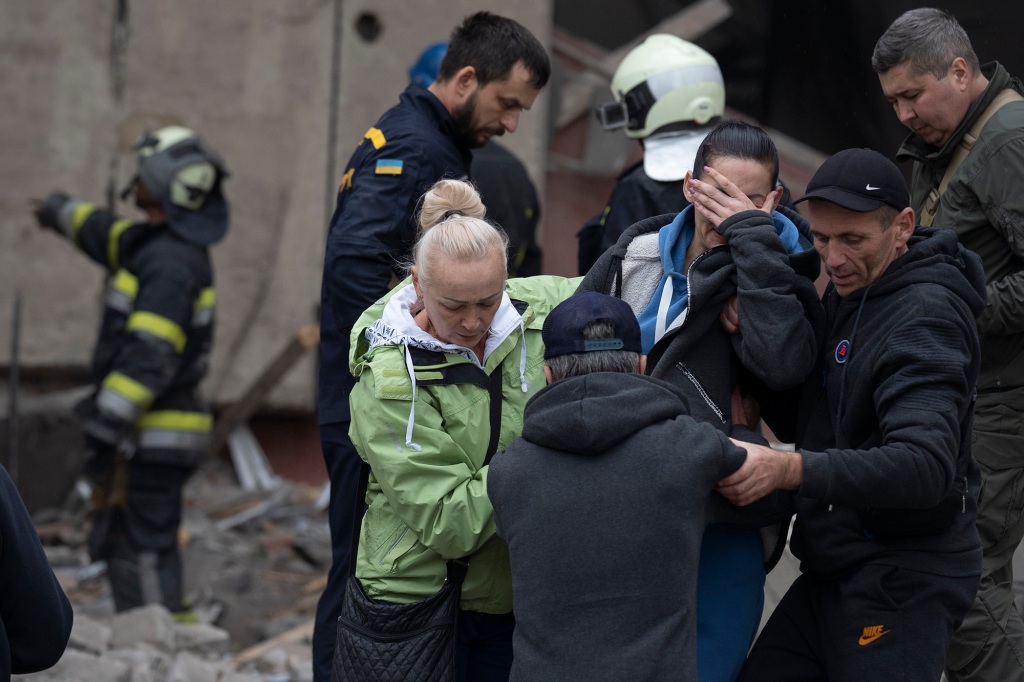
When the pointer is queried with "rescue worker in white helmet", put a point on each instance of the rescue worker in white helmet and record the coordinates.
(669, 94)
(146, 425)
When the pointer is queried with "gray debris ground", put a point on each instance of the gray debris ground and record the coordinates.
(255, 564)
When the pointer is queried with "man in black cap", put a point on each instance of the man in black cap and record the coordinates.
(146, 425)
(602, 503)
(886, 489)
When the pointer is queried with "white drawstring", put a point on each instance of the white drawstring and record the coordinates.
(661, 322)
(412, 407)
(522, 356)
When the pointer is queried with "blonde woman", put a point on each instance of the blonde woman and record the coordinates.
(422, 417)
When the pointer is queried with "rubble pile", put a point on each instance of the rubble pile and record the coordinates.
(255, 562)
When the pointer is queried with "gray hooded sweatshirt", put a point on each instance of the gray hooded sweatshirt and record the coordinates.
(603, 509)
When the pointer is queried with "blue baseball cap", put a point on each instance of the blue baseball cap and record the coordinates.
(563, 328)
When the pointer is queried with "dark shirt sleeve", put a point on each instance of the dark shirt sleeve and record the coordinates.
(781, 319)
(35, 611)
(100, 234)
(371, 230)
(1003, 203)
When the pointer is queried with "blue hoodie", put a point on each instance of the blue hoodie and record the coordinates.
(674, 239)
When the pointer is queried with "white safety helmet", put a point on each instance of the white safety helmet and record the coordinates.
(662, 81)
(183, 173)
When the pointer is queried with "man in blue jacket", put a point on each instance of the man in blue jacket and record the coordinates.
(494, 69)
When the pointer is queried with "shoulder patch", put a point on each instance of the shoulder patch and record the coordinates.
(375, 136)
(346, 180)
(389, 167)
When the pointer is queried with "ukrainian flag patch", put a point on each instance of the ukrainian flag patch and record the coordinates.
(389, 167)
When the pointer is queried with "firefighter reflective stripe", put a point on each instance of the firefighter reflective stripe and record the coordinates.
(121, 292)
(161, 439)
(123, 397)
(113, 241)
(203, 309)
(79, 215)
(199, 422)
(175, 430)
(157, 326)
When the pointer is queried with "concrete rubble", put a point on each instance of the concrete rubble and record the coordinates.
(255, 564)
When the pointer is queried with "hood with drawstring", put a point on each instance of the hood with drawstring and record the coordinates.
(768, 264)
(421, 417)
(887, 472)
(667, 308)
(603, 509)
(397, 327)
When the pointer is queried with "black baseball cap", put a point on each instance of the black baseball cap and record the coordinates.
(563, 328)
(859, 180)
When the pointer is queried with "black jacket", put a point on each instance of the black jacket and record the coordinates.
(636, 196)
(512, 204)
(887, 472)
(155, 337)
(780, 314)
(984, 204)
(412, 146)
(35, 615)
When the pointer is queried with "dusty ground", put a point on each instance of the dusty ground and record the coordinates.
(255, 562)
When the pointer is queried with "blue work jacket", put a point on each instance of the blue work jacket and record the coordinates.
(412, 146)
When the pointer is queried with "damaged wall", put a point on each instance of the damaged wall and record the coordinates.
(80, 80)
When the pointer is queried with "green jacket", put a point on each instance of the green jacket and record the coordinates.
(425, 441)
(984, 204)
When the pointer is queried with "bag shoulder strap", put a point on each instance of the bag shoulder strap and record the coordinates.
(931, 204)
(456, 567)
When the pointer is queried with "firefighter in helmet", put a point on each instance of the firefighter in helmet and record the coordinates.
(146, 425)
(669, 94)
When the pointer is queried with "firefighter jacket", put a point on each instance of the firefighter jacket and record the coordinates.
(154, 339)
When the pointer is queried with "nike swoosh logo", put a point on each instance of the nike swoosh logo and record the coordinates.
(864, 641)
(869, 188)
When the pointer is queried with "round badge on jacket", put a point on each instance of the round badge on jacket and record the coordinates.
(842, 351)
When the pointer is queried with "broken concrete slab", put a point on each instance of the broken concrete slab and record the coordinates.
(148, 663)
(190, 668)
(151, 624)
(89, 635)
(201, 639)
(79, 666)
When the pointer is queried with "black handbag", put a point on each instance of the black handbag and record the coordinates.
(378, 641)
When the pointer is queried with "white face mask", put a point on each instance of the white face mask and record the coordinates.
(668, 156)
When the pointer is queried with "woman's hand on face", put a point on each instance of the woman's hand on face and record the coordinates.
(719, 204)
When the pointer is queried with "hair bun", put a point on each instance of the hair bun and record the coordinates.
(449, 198)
